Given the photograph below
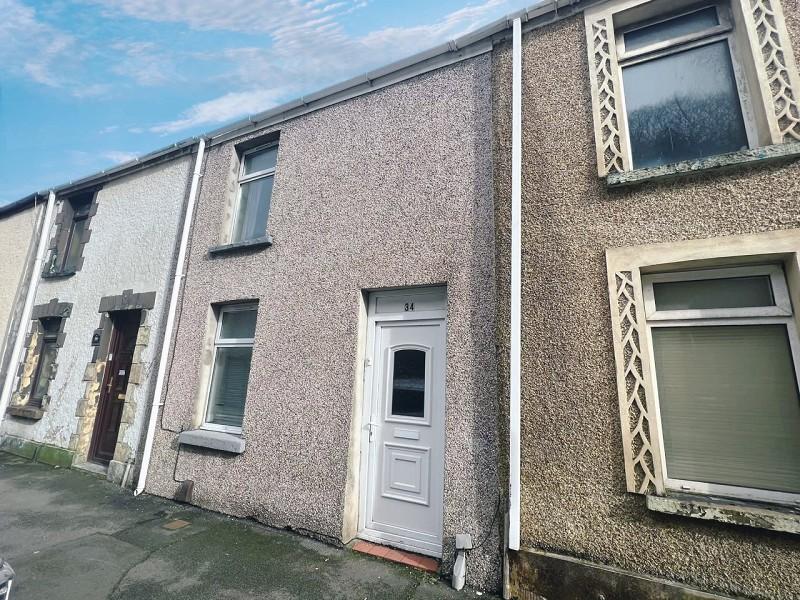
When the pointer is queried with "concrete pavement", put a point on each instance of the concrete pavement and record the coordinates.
(70, 535)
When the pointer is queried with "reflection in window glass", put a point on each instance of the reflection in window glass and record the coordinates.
(251, 220)
(260, 161)
(238, 324)
(75, 244)
(229, 386)
(683, 106)
(695, 22)
(408, 384)
(728, 292)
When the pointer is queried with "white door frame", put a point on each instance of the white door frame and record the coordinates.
(367, 399)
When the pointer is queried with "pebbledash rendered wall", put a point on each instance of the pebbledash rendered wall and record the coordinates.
(132, 246)
(389, 189)
(19, 232)
(574, 500)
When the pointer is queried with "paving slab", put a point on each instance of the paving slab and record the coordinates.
(71, 536)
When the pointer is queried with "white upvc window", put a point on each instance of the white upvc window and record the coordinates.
(256, 179)
(230, 370)
(723, 352)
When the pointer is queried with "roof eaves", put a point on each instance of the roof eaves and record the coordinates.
(22, 204)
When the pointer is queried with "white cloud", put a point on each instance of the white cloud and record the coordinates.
(143, 62)
(220, 110)
(308, 53)
(264, 16)
(108, 129)
(32, 48)
(119, 156)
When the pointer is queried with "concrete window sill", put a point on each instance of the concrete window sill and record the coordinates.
(254, 244)
(726, 510)
(25, 412)
(215, 440)
(58, 274)
(764, 156)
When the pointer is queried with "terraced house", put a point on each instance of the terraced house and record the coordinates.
(80, 386)
(333, 367)
(659, 448)
(526, 303)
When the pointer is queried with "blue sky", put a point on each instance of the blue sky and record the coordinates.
(87, 84)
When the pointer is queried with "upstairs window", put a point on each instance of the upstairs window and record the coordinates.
(256, 178)
(75, 238)
(233, 351)
(49, 329)
(683, 95)
(682, 80)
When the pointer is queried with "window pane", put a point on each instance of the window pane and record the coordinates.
(229, 386)
(260, 161)
(75, 246)
(668, 30)
(729, 405)
(251, 221)
(683, 106)
(44, 370)
(51, 324)
(733, 292)
(408, 384)
(238, 324)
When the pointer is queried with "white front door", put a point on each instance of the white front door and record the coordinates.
(404, 422)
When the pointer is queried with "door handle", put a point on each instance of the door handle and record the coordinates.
(371, 427)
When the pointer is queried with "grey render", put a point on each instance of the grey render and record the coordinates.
(389, 189)
(574, 499)
(132, 246)
(19, 231)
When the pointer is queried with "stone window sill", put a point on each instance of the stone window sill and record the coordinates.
(254, 244)
(766, 155)
(26, 412)
(58, 274)
(215, 440)
(726, 510)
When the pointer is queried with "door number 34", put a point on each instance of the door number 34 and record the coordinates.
(409, 307)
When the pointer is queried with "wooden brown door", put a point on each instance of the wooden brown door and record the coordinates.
(125, 328)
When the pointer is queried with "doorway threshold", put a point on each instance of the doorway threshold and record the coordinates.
(416, 561)
(93, 468)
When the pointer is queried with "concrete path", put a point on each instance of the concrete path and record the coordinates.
(72, 536)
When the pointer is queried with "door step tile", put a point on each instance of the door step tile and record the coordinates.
(416, 561)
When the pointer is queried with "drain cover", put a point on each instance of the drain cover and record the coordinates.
(176, 524)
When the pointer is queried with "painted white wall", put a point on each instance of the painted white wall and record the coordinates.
(132, 246)
(16, 233)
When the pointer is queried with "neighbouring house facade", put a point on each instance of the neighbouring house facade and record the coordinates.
(333, 367)
(20, 226)
(660, 421)
(84, 378)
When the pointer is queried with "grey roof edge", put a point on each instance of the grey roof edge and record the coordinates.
(22, 204)
(467, 46)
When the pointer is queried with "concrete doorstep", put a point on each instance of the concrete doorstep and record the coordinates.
(72, 536)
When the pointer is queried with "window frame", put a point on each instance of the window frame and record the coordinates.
(243, 179)
(79, 215)
(725, 31)
(225, 343)
(776, 315)
(49, 339)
